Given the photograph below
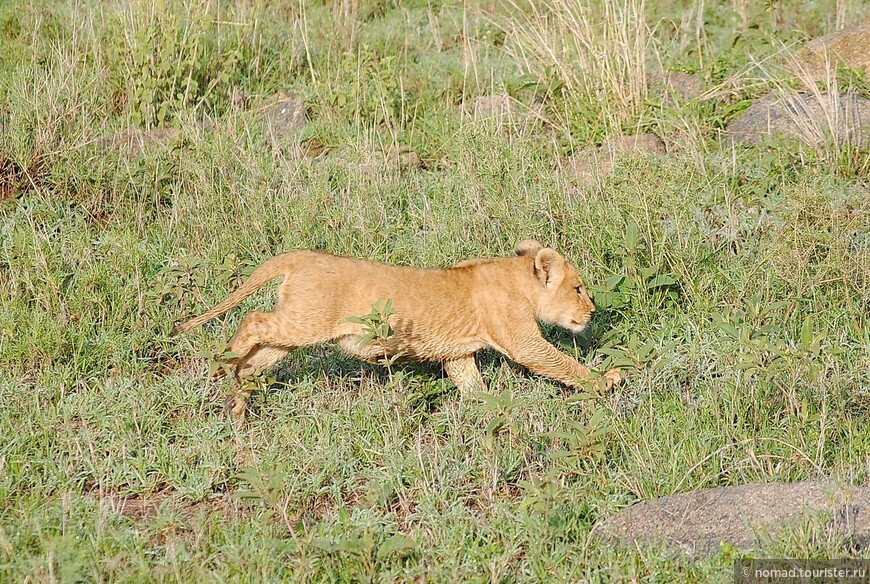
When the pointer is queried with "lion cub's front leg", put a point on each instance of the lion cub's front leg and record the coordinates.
(463, 372)
(538, 356)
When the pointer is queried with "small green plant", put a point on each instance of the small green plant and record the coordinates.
(270, 490)
(182, 279)
(219, 360)
(503, 406)
(650, 354)
(366, 549)
(642, 281)
(582, 442)
(377, 329)
(540, 493)
(179, 281)
(368, 86)
(231, 271)
(763, 350)
(165, 58)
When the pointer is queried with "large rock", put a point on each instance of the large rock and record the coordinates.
(808, 117)
(849, 47)
(698, 522)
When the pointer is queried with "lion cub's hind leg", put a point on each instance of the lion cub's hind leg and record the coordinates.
(255, 362)
(464, 373)
(258, 344)
(255, 330)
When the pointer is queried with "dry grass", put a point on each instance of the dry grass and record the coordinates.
(599, 52)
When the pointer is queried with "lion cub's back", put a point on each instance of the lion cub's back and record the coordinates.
(345, 287)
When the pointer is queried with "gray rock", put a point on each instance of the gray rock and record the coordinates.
(698, 522)
(286, 116)
(849, 47)
(808, 117)
(675, 86)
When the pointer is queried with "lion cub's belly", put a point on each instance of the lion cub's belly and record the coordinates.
(416, 348)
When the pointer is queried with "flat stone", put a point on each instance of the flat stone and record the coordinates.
(699, 522)
(807, 117)
(136, 141)
(849, 47)
(588, 168)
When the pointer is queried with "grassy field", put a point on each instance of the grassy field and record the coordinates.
(733, 285)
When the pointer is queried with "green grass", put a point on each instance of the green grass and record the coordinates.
(733, 286)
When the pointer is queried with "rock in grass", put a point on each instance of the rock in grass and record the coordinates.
(493, 106)
(674, 86)
(284, 117)
(587, 169)
(500, 106)
(590, 167)
(808, 117)
(646, 142)
(404, 158)
(135, 141)
(847, 47)
(699, 522)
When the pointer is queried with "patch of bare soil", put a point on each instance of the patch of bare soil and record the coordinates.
(13, 177)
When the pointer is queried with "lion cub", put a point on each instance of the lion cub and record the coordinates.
(441, 315)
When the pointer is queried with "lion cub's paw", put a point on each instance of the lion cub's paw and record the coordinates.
(612, 377)
(235, 406)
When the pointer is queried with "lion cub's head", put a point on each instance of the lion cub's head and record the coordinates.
(563, 299)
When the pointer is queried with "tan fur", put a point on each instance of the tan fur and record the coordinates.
(441, 315)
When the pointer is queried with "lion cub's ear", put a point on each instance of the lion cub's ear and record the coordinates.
(549, 267)
(528, 246)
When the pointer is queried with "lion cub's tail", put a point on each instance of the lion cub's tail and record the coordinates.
(269, 270)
